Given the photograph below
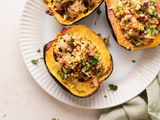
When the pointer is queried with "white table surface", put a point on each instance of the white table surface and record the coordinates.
(20, 97)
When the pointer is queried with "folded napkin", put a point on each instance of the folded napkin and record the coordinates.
(146, 106)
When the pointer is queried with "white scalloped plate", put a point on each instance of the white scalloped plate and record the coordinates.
(37, 29)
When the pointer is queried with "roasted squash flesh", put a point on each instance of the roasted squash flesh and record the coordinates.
(68, 12)
(135, 24)
(57, 66)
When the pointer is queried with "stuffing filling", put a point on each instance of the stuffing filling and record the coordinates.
(139, 20)
(70, 9)
(78, 57)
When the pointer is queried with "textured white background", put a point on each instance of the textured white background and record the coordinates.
(20, 97)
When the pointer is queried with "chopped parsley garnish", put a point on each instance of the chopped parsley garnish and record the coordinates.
(100, 72)
(149, 22)
(62, 75)
(153, 2)
(55, 119)
(71, 42)
(154, 13)
(39, 50)
(138, 44)
(113, 87)
(93, 61)
(133, 61)
(34, 61)
(154, 31)
(99, 11)
(129, 4)
(137, 11)
(68, 71)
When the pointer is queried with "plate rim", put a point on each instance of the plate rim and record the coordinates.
(73, 105)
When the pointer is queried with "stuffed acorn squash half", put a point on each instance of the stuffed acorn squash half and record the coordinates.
(135, 23)
(78, 60)
(68, 12)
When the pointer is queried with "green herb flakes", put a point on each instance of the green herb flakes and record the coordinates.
(129, 4)
(154, 13)
(93, 60)
(39, 50)
(113, 87)
(99, 11)
(134, 61)
(55, 119)
(71, 42)
(100, 72)
(154, 31)
(149, 22)
(138, 44)
(62, 75)
(34, 61)
(153, 2)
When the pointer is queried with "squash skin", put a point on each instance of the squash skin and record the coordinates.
(49, 46)
(117, 33)
(66, 22)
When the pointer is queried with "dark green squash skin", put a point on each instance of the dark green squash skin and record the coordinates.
(81, 18)
(112, 32)
(44, 57)
(44, 52)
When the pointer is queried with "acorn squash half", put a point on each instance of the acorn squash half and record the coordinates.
(83, 88)
(118, 33)
(59, 15)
